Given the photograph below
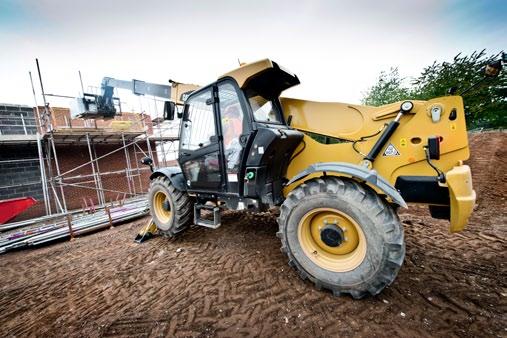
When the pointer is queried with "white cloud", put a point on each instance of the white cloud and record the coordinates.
(337, 49)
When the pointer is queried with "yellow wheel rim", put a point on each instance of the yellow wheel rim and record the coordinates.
(346, 256)
(162, 206)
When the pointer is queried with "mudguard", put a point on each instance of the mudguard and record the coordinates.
(174, 174)
(370, 177)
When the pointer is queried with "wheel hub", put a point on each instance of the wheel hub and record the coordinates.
(166, 205)
(332, 239)
(162, 206)
(332, 235)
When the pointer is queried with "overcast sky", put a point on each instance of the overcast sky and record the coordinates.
(337, 48)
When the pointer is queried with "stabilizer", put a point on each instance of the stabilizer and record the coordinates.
(146, 232)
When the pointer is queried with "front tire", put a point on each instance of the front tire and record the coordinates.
(341, 236)
(171, 209)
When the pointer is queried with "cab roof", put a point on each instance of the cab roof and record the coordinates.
(264, 73)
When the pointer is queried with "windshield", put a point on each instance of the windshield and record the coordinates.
(263, 109)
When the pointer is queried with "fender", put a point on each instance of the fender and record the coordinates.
(174, 174)
(370, 177)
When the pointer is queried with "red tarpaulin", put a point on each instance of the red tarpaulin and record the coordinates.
(13, 207)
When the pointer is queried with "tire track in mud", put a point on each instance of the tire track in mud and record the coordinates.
(234, 281)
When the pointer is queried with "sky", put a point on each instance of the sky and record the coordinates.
(337, 48)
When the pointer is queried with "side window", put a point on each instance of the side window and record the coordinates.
(199, 122)
(263, 109)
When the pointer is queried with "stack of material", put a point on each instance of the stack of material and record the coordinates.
(70, 226)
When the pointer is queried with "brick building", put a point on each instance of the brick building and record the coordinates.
(68, 149)
(19, 162)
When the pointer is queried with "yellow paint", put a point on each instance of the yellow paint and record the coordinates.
(245, 71)
(351, 122)
(345, 257)
(459, 181)
(121, 125)
(180, 88)
(160, 199)
(149, 227)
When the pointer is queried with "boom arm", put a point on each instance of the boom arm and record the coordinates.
(104, 105)
(137, 87)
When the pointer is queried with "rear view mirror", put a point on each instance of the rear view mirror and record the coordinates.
(169, 109)
(493, 69)
(147, 161)
(182, 112)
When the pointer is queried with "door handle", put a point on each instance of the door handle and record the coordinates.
(243, 139)
(185, 154)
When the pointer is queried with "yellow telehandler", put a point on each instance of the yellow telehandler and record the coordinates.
(338, 172)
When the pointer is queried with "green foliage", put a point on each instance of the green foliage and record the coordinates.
(485, 104)
(389, 88)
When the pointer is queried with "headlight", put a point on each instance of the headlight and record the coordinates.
(436, 113)
(406, 106)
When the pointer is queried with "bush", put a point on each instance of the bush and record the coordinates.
(485, 104)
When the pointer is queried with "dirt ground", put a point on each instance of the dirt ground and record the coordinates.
(234, 281)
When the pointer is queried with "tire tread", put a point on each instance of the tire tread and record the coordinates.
(382, 213)
(183, 207)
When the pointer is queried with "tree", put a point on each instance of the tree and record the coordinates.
(485, 104)
(389, 88)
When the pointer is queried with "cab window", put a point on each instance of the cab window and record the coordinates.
(198, 123)
(263, 109)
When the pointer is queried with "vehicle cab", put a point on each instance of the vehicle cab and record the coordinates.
(235, 144)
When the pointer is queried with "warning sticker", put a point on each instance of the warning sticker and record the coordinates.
(391, 151)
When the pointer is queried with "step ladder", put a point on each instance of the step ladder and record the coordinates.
(198, 220)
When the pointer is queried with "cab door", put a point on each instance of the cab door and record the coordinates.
(200, 149)
(235, 129)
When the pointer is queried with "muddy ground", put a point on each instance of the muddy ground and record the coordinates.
(234, 281)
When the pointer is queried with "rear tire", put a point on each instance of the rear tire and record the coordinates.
(366, 249)
(171, 209)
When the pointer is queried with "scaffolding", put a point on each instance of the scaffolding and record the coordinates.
(103, 149)
(60, 222)
(134, 139)
(134, 136)
(54, 180)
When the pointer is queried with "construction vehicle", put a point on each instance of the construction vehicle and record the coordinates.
(338, 173)
(106, 105)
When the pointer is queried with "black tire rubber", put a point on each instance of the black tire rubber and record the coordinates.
(385, 246)
(182, 207)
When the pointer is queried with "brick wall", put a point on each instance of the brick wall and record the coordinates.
(73, 156)
(12, 118)
(19, 172)
(70, 157)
